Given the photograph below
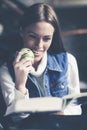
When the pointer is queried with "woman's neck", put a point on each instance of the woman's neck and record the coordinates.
(35, 65)
(39, 67)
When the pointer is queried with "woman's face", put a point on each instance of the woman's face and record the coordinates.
(38, 37)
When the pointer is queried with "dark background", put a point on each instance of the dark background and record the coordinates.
(74, 18)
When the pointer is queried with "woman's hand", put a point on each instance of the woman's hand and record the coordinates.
(22, 67)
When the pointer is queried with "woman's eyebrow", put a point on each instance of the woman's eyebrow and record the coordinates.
(48, 36)
(31, 32)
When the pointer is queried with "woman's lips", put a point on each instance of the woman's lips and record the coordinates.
(37, 52)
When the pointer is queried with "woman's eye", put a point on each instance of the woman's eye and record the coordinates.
(32, 36)
(47, 39)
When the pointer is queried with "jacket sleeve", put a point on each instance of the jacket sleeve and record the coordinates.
(73, 86)
(10, 93)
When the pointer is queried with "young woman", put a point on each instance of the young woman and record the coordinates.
(53, 72)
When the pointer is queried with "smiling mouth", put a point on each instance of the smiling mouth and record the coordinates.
(37, 52)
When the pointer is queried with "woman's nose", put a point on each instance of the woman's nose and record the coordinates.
(40, 42)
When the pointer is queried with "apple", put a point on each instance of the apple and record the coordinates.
(29, 53)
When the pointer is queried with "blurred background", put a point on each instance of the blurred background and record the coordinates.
(73, 21)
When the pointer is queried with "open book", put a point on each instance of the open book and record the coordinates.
(44, 104)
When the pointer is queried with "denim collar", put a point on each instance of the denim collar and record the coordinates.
(53, 64)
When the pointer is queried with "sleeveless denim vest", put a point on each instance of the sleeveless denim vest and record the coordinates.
(55, 77)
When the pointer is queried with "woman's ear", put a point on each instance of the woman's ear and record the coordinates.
(21, 32)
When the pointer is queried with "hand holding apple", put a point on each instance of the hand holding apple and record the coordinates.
(29, 53)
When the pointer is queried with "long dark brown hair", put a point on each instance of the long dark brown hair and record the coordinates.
(44, 12)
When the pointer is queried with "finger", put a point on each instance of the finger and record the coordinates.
(17, 57)
(29, 69)
(19, 54)
(27, 59)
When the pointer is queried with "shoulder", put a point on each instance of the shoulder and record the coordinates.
(71, 59)
(67, 59)
(3, 68)
(62, 56)
(73, 70)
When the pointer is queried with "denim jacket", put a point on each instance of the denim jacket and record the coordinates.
(55, 77)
